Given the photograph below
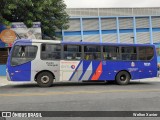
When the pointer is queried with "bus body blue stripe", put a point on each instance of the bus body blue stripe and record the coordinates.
(75, 70)
(85, 67)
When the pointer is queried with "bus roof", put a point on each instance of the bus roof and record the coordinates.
(96, 43)
(38, 41)
(82, 43)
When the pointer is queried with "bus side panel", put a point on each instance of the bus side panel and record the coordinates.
(111, 68)
(108, 68)
(45, 65)
(137, 70)
(21, 73)
(38, 65)
(96, 70)
(91, 70)
(102, 70)
(86, 70)
(147, 69)
(70, 70)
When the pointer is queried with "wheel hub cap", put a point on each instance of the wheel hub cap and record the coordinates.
(123, 78)
(45, 79)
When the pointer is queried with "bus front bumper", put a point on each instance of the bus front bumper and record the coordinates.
(7, 74)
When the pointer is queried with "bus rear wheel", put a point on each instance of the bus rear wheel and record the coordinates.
(123, 78)
(45, 79)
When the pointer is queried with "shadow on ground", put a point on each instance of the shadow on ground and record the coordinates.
(68, 84)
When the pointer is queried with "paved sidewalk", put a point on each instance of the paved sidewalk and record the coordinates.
(155, 79)
(4, 81)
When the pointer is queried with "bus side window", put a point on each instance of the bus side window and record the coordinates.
(50, 51)
(43, 47)
(89, 57)
(129, 53)
(111, 53)
(21, 51)
(92, 52)
(133, 57)
(108, 57)
(72, 52)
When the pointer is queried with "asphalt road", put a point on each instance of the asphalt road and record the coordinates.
(137, 96)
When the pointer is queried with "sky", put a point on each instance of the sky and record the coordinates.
(111, 3)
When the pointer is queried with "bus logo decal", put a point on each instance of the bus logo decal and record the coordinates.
(73, 66)
(86, 72)
(132, 64)
(147, 64)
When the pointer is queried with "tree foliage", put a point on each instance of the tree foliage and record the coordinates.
(51, 14)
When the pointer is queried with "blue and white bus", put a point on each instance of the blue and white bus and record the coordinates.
(48, 61)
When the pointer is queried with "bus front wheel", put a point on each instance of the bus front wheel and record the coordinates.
(45, 79)
(123, 78)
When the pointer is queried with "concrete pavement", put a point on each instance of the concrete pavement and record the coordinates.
(137, 96)
(4, 81)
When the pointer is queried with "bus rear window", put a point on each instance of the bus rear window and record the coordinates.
(23, 54)
(146, 53)
(129, 53)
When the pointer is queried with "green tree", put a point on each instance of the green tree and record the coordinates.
(51, 14)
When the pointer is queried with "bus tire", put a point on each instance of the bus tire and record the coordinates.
(45, 79)
(123, 78)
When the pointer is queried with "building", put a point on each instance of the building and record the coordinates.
(113, 25)
(116, 25)
(8, 34)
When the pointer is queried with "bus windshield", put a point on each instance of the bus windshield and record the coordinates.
(23, 54)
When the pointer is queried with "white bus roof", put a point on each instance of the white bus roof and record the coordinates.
(39, 41)
(82, 43)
